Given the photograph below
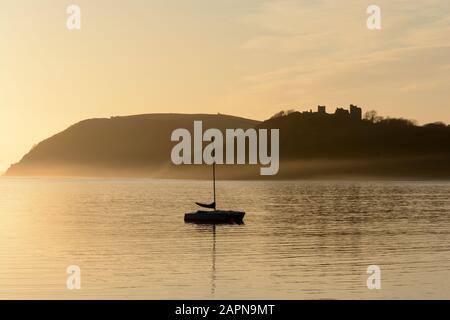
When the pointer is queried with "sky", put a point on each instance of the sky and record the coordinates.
(249, 58)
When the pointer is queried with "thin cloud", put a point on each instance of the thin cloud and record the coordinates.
(329, 52)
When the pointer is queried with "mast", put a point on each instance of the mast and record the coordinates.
(214, 183)
(214, 173)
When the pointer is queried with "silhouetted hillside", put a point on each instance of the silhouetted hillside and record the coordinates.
(312, 145)
(318, 144)
(119, 146)
(312, 135)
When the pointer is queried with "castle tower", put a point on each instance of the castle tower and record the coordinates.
(322, 109)
(355, 112)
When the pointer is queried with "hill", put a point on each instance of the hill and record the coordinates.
(317, 144)
(312, 145)
(136, 145)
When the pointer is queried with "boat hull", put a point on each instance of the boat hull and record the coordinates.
(216, 216)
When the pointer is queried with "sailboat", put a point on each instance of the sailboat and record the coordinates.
(214, 215)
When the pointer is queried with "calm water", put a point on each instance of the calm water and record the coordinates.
(301, 240)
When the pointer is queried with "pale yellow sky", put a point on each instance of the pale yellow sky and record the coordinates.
(249, 58)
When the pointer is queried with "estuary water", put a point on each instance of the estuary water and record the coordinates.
(300, 240)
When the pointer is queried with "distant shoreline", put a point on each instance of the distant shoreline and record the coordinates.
(313, 146)
(287, 180)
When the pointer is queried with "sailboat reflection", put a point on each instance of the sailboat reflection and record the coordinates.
(213, 270)
(206, 231)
